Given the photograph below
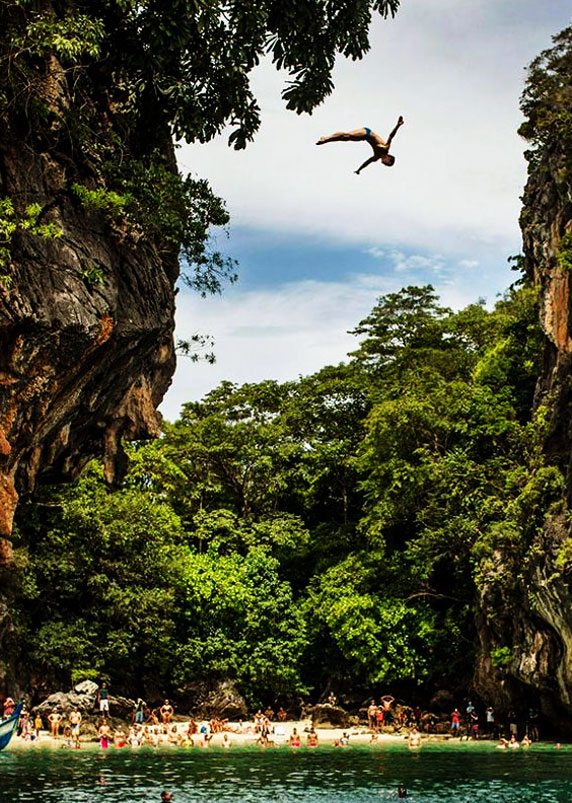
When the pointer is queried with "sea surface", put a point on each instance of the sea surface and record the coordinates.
(460, 772)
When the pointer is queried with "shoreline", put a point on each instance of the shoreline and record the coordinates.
(330, 737)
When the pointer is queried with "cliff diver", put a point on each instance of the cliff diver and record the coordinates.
(380, 147)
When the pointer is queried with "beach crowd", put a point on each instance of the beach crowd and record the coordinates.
(154, 726)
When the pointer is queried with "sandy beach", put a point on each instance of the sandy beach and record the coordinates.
(239, 734)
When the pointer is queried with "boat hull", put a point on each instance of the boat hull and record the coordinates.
(8, 727)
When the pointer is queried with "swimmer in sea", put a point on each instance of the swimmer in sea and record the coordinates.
(312, 738)
(379, 146)
(414, 738)
(295, 740)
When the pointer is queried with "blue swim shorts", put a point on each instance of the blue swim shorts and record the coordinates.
(367, 131)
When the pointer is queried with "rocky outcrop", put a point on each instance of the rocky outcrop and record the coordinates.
(83, 696)
(86, 301)
(83, 364)
(546, 223)
(219, 699)
(526, 597)
(329, 716)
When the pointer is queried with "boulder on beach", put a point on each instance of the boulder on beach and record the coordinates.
(84, 697)
(329, 716)
(221, 700)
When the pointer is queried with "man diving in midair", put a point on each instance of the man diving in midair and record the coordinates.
(380, 147)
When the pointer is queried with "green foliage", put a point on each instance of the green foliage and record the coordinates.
(377, 637)
(340, 529)
(102, 200)
(70, 37)
(241, 623)
(545, 101)
(564, 255)
(12, 222)
(94, 276)
(501, 656)
(178, 211)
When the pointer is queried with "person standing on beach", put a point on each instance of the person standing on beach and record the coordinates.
(55, 719)
(38, 724)
(371, 712)
(75, 724)
(8, 707)
(166, 712)
(139, 710)
(103, 698)
(490, 717)
(386, 702)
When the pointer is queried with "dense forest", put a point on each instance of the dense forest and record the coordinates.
(329, 533)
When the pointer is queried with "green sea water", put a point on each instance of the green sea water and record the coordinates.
(463, 773)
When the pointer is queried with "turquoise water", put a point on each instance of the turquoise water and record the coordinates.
(459, 773)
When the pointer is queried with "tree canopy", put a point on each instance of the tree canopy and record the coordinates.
(290, 536)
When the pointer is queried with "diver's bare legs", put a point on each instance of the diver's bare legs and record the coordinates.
(344, 136)
(398, 125)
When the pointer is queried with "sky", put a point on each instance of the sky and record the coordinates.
(316, 244)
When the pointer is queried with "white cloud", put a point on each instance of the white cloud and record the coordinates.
(284, 332)
(455, 71)
(411, 263)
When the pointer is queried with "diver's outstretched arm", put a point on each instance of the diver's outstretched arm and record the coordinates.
(366, 163)
(395, 130)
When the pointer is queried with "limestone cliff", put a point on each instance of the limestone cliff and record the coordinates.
(86, 291)
(83, 363)
(526, 596)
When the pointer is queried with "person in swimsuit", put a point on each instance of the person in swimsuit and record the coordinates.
(371, 712)
(166, 713)
(295, 740)
(55, 719)
(312, 739)
(379, 146)
(104, 735)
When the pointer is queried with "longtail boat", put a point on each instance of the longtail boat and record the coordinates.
(8, 727)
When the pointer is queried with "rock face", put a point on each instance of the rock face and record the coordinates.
(82, 696)
(329, 716)
(220, 699)
(82, 365)
(526, 634)
(86, 318)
